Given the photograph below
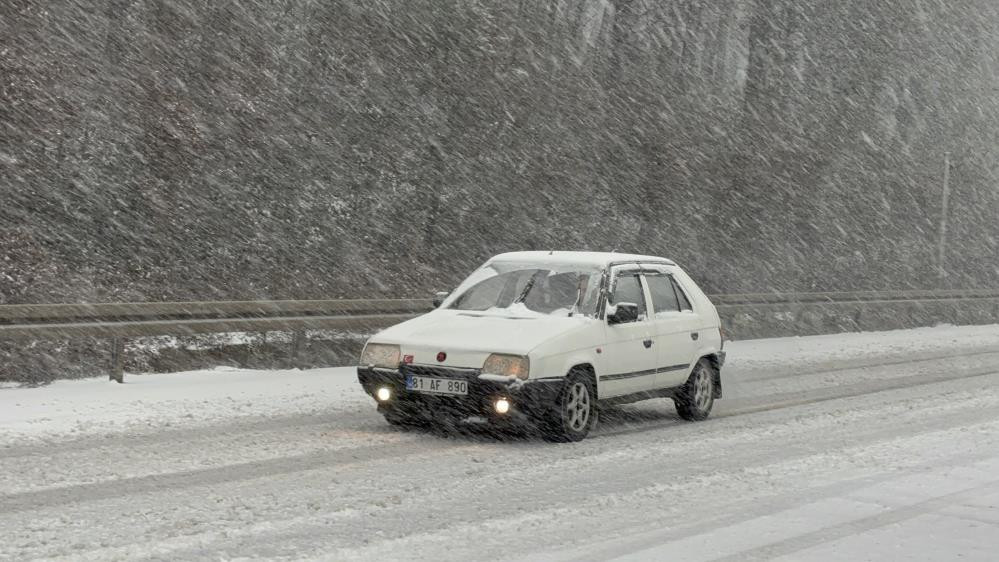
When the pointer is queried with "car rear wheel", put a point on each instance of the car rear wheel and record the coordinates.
(575, 412)
(697, 396)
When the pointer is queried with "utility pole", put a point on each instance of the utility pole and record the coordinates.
(942, 242)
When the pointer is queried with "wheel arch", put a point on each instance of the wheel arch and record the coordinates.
(716, 364)
(588, 370)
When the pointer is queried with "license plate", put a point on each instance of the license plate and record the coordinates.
(431, 385)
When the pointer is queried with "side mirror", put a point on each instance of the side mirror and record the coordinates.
(624, 312)
(439, 297)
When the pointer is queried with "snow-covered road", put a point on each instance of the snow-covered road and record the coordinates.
(866, 446)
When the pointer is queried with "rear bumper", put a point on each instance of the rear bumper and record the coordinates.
(532, 398)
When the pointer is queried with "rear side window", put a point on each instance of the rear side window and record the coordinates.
(664, 297)
(681, 296)
(627, 288)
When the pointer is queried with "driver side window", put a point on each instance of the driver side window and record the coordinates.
(628, 288)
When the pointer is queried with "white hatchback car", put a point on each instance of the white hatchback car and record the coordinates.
(546, 337)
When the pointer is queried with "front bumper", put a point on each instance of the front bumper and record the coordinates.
(531, 398)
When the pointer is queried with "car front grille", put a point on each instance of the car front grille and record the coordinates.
(446, 372)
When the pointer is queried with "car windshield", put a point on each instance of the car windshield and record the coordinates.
(511, 288)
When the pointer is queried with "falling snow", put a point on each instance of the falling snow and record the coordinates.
(184, 150)
(193, 150)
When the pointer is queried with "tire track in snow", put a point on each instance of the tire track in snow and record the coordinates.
(284, 530)
(360, 419)
(852, 365)
(853, 489)
(805, 397)
(165, 435)
(856, 526)
(110, 489)
(673, 483)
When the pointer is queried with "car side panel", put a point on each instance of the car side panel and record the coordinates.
(677, 348)
(558, 366)
(556, 356)
(705, 321)
(628, 359)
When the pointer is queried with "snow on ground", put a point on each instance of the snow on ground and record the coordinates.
(96, 406)
(838, 350)
(866, 446)
(74, 408)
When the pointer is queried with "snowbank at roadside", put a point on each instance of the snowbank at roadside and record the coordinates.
(73, 408)
(831, 349)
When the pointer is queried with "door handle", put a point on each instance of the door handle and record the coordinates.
(694, 336)
(647, 343)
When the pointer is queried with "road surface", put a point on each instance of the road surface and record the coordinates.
(861, 447)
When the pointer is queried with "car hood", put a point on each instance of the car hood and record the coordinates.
(478, 332)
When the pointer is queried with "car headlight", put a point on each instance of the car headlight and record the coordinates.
(510, 365)
(380, 355)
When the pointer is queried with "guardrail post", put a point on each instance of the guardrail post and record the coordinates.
(297, 342)
(117, 360)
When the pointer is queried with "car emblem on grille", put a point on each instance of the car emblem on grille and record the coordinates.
(441, 356)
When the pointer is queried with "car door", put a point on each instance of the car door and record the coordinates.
(628, 357)
(674, 326)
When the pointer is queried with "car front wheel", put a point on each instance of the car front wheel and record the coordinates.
(576, 411)
(697, 396)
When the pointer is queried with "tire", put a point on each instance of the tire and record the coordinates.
(575, 412)
(697, 395)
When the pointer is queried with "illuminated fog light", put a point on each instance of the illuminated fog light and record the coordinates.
(502, 406)
(383, 394)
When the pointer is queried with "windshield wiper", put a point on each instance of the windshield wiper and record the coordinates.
(529, 286)
(579, 297)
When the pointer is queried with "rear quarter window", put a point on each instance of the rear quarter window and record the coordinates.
(681, 296)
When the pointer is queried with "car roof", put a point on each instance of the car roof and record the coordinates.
(599, 259)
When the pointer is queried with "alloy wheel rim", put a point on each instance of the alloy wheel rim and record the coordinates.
(578, 406)
(702, 390)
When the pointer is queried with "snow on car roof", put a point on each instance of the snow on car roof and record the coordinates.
(581, 258)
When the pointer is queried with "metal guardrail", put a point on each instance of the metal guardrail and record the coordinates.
(38, 313)
(116, 321)
(854, 296)
(794, 302)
